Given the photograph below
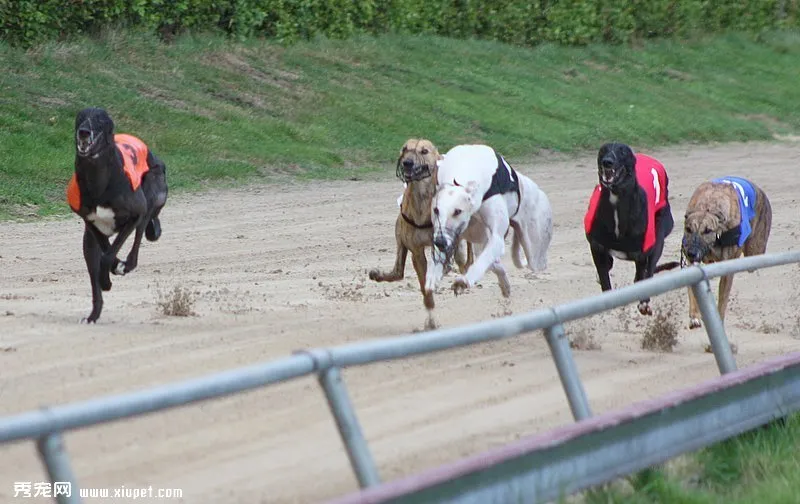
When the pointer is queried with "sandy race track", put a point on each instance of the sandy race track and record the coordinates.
(276, 269)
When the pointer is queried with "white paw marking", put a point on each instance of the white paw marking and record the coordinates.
(120, 269)
(694, 323)
(644, 308)
(103, 220)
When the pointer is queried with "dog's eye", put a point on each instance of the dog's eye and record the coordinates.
(436, 211)
(423, 151)
(456, 212)
(688, 229)
(707, 231)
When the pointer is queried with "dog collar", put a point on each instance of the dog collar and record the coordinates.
(406, 218)
(729, 238)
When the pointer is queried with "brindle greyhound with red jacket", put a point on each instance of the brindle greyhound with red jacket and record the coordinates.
(119, 187)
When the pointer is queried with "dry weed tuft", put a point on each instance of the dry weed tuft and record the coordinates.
(179, 302)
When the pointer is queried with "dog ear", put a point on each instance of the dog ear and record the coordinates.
(475, 197)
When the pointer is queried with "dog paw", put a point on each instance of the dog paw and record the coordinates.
(694, 323)
(119, 268)
(428, 300)
(374, 274)
(88, 320)
(644, 308)
(460, 285)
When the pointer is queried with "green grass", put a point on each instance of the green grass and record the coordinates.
(761, 466)
(220, 112)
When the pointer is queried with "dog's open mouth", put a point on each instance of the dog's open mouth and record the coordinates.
(85, 140)
(413, 173)
(608, 177)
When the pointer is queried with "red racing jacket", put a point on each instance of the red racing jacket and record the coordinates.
(652, 177)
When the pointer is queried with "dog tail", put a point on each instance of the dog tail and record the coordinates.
(667, 266)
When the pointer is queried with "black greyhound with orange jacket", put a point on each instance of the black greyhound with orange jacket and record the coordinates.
(119, 187)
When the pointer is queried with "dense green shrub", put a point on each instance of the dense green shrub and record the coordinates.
(525, 22)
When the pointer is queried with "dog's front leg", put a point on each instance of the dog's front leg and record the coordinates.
(133, 256)
(435, 273)
(694, 311)
(398, 271)
(463, 255)
(603, 262)
(92, 255)
(421, 267)
(492, 252)
(642, 269)
(109, 259)
(102, 241)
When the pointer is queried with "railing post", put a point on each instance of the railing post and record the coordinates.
(568, 372)
(54, 456)
(342, 409)
(714, 326)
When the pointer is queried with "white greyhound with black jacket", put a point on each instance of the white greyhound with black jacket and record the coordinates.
(479, 196)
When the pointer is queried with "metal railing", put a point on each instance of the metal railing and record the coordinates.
(546, 467)
(47, 425)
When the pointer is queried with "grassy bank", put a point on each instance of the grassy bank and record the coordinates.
(761, 466)
(217, 111)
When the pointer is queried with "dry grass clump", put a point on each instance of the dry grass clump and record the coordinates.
(179, 302)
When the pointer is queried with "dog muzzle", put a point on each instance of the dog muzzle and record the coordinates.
(694, 249)
(413, 172)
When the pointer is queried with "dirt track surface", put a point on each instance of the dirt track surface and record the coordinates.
(276, 269)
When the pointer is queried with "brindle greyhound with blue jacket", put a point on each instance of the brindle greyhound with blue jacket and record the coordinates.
(119, 187)
(726, 217)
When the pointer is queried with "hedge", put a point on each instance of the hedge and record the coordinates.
(28, 22)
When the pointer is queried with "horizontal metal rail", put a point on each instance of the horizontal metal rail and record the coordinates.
(549, 466)
(47, 424)
(354, 354)
(36, 423)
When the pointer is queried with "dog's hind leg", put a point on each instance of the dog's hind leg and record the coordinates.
(93, 254)
(154, 184)
(152, 231)
(725, 284)
(536, 253)
(516, 246)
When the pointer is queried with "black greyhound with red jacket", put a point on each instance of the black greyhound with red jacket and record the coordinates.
(119, 187)
(629, 215)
